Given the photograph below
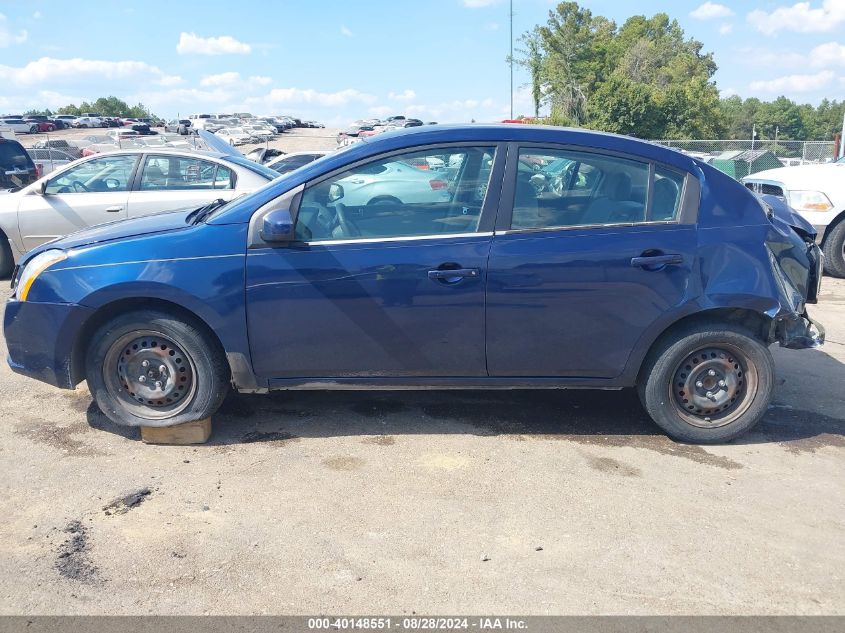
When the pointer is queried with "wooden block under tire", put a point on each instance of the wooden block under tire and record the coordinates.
(188, 433)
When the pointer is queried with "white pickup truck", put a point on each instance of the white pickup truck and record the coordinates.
(817, 192)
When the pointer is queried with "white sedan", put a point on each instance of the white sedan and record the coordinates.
(234, 135)
(394, 183)
(19, 126)
(115, 186)
(817, 192)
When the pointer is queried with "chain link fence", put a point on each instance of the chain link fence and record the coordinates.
(789, 153)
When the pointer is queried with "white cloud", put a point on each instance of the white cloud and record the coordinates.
(727, 92)
(405, 95)
(191, 43)
(477, 4)
(72, 71)
(344, 30)
(710, 10)
(726, 28)
(795, 83)
(7, 37)
(826, 55)
(491, 26)
(259, 80)
(286, 96)
(36, 15)
(220, 79)
(800, 17)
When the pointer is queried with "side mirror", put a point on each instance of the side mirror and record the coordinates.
(42, 188)
(335, 192)
(277, 226)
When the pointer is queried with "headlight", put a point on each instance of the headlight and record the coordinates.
(35, 267)
(809, 201)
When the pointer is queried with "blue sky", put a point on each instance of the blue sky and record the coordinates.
(336, 60)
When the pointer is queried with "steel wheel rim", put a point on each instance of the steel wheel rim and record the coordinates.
(168, 372)
(713, 386)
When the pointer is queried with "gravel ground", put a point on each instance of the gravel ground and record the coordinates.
(427, 502)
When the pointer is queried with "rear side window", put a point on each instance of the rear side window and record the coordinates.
(562, 188)
(13, 154)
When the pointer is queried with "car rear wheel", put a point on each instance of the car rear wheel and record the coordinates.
(708, 382)
(834, 251)
(151, 368)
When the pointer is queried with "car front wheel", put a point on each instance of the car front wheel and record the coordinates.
(707, 382)
(151, 368)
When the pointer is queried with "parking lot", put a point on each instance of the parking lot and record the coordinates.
(295, 140)
(429, 502)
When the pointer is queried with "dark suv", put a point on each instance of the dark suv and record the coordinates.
(16, 167)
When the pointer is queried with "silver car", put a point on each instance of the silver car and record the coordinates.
(115, 186)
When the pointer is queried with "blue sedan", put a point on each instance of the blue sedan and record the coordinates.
(539, 258)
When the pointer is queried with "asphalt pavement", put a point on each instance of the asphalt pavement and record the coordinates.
(550, 502)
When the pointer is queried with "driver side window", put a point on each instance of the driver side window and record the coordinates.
(105, 174)
(431, 192)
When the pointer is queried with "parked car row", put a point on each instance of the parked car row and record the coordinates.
(364, 128)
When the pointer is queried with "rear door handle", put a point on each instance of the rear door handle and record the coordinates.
(657, 260)
(114, 209)
(454, 274)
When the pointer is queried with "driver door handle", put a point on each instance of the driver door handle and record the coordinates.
(453, 273)
(114, 209)
(657, 260)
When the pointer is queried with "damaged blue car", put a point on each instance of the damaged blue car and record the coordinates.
(470, 257)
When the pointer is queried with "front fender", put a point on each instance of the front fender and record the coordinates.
(200, 270)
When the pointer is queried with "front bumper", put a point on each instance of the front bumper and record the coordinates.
(40, 338)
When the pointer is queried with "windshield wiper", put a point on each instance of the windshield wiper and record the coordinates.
(202, 213)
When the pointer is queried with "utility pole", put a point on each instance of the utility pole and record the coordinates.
(511, 55)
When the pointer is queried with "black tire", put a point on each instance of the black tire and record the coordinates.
(675, 381)
(834, 250)
(7, 260)
(118, 350)
(384, 201)
(33, 129)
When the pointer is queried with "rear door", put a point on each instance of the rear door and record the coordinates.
(169, 182)
(578, 273)
(85, 194)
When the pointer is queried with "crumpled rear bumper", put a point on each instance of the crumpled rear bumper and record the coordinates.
(799, 332)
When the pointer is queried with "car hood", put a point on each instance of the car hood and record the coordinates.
(802, 176)
(121, 229)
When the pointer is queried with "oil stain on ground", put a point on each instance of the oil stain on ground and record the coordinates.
(380, 440)
(343, 463)
(612, 466)
(74, 562)
(61, 438)
(125, 503)
(277, 437)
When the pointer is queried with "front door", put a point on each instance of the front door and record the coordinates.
(386, 278)
(86, 194)
(593, 251)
